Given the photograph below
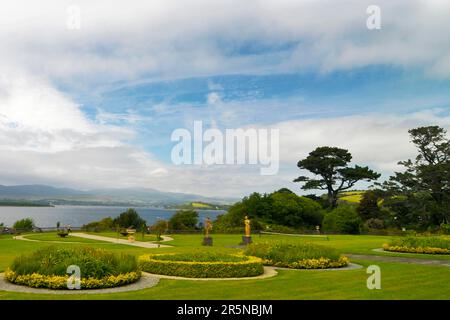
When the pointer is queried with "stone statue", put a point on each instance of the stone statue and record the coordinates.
(247, 226)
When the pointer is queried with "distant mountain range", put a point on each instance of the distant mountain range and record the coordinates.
(129, 196)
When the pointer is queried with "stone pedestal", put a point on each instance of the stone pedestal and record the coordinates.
(207, 241)
(246, 240)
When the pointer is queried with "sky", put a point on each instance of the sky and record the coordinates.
(91, 91)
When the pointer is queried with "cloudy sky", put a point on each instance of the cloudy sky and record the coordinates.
(95, 106)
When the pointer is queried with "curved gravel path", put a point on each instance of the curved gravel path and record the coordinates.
(141, 244)
(146, 281)
(445, 263)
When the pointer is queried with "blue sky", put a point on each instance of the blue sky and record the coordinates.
(268, 99)
(95, 106)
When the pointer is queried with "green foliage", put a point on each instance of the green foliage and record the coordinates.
(184, 220)
(343, 219)
(130, 219)
(368, 207)
(282, 207)
(331, 167)
(95, 263)
(105, 224)
(197, 266)
(374, 223)
(445, 228)
(26, 224)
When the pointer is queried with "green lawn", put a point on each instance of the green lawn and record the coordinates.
(53, 236)
(399, 281)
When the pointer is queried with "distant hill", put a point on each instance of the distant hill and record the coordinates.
(127, 196)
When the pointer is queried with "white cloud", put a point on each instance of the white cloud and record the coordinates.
(46, 138)
(378, 140)
(170, 39)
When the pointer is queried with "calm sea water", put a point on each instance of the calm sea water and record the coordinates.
(76, 216)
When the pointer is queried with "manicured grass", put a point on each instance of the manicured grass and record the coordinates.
(52, 237)
(399, 280)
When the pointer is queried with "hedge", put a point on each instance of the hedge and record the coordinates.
(246, 267)
(36, 280)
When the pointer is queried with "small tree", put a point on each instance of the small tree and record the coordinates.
(130, 218)
(159, 227)
(184, 220)
(330, 165)
(26, 224)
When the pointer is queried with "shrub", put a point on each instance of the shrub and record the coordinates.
(97, 226)
(202, 265)
(43, 266)
(343, 219)
(26, 224)
(184, 220)
(298, 256)
(159, 227)
(428, 245)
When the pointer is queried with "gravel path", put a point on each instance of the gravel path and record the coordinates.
(445, 263)
(146, 281)
(141, 244)
(268, 273)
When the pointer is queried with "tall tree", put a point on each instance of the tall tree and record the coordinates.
(428, 173)
(330, 165)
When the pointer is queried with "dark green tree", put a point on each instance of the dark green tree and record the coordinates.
(330, 166)
(368, 207)
(428, 174)
(184, 220)
(130, 219)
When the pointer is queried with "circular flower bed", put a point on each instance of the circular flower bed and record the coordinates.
(202, 265)
(425, 245)
(297, 256)
(47, 268)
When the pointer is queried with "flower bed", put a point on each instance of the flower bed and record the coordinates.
(47, 268)
(425, 245)
(37, 280)
(297, 256)
(202, 265)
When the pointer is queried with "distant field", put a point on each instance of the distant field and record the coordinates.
(352, 196)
